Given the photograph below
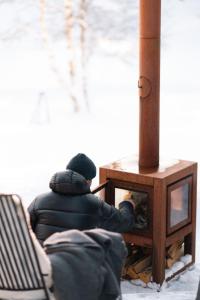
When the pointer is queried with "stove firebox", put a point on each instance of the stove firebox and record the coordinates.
(167, 210)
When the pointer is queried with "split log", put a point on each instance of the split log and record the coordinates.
(171, 252)
(131, 273)
(175, 258)
(142, 264)
(146, 275)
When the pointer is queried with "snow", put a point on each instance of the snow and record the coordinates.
(183, 285)
(186, 259)
(39, 135)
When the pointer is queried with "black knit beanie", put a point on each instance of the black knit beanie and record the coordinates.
(82, 165)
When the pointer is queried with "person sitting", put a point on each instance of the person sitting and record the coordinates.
(71, 205)
(67, 254)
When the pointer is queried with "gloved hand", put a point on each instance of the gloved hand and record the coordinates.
(132, 202)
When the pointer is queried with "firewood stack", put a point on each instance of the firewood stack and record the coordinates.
(174, 252)
(138, 264)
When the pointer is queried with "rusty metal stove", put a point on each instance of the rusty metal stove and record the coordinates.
(168, 188)
(169, 192)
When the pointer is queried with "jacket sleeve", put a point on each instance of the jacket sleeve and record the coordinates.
(117, 220)
(33, 216)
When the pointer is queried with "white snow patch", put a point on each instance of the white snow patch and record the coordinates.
(177, 266)
(186, 259)
(138, 282)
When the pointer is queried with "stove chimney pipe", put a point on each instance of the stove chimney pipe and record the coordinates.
(149, 82)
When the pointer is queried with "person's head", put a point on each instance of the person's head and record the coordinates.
(83, 165)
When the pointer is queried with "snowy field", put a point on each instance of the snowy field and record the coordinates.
(39, 132)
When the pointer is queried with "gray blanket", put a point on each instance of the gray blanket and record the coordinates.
(86, 265)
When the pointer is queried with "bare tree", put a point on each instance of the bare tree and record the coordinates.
(83, 29)
(47, 42)
(69, 18)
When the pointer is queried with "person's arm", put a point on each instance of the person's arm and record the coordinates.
(33, 216)
(117, 220)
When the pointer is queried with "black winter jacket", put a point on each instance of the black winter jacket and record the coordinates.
(71, 205)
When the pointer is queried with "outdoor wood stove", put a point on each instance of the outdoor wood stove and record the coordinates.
(169, 197)
(167, 189)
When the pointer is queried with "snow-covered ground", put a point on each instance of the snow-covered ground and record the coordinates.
(39, 133)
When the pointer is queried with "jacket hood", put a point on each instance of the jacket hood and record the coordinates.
(69, 182)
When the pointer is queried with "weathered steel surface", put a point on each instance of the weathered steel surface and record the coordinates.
(149, 82)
